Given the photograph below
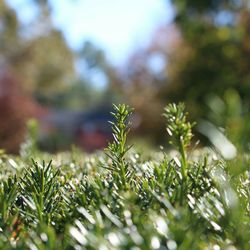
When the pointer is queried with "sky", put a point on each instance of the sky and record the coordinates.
(119, 27)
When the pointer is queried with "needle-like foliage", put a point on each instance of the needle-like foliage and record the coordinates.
(117, 149)
(40, 193)
(119, 199)
(180, 132)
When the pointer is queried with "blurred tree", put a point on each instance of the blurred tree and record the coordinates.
(51, 65)
(35, 66)
(203, 55)
(209, 49)
(9, 40)
(143, 78)
(211, 63)
(97, 77)
(15, 109)
(95, 82)
(43, 62)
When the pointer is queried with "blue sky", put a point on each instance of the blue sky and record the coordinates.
(117, 26)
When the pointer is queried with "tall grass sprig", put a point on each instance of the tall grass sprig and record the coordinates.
(117, 149)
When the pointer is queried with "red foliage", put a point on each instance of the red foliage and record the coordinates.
(16, 107)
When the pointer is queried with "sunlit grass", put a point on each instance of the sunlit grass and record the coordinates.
(118, 199)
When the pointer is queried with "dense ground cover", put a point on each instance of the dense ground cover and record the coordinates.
(123, 198)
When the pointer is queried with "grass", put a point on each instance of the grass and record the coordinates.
(121, 199)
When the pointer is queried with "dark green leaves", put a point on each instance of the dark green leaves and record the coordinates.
(40, 192)
(8, 193)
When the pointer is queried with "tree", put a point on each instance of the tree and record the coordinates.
(28, 67)
(43, 62)
(205, 55)
(209, 70)
(15, 109)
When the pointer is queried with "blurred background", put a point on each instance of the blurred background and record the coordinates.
(65, 62)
